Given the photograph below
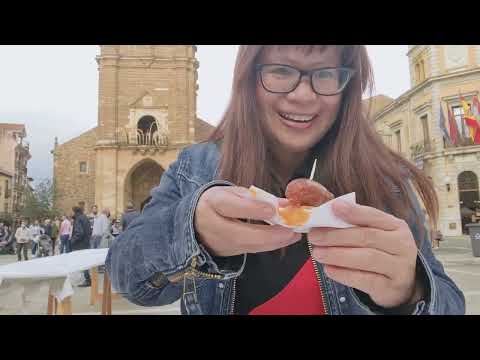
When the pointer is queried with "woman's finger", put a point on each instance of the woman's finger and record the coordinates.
(237, 203)
(366, 216)
(248, 238)
(361, 237)
(365, 281)
(366, 259)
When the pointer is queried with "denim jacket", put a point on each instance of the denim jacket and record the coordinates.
(158, 259)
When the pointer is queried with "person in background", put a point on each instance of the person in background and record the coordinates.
(35, 231)
(116, 228)
(93, 214)
(55, 232)
(129, 215)
(48, 230)
(22, 236)
(80, 239)
(101, 228)
(65, 233)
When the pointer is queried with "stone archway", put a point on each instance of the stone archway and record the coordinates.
(468, 194)
(142, 179)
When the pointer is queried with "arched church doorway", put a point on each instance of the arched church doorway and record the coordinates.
(144, 177)
(468, 194)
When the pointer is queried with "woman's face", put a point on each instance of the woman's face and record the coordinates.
(300, 104)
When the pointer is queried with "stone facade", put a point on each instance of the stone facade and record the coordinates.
(5, 193)
(410, 125)
(146, 115)
(14, 156)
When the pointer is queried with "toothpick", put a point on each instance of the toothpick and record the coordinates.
(313, 169)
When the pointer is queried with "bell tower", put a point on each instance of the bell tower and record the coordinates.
(146, 113)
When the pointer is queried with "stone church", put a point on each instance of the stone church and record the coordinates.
(146, 115)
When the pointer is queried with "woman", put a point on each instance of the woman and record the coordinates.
(290, 105)
(65, 233)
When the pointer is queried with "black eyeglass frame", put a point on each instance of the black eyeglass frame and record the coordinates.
(351, 72)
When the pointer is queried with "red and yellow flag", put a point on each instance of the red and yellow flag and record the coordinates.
(472, 123)
(476, 116)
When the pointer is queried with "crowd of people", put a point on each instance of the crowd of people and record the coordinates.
(78, 231)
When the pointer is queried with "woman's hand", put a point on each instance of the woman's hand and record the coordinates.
(378, 257)
(218, 225)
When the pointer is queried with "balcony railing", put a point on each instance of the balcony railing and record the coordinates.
(462, 142)
(143, 139)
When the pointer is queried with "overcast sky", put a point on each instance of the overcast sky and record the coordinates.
(53, 89)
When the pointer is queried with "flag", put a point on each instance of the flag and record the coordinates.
(453, 127)
(470, 121)
(441, 123)
(476, 116)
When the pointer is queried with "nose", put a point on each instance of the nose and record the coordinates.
(304, 91)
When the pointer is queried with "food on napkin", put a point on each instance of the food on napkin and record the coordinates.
(311, 206)
(302, 195)
(305, 192)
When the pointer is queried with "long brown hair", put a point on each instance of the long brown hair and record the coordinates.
(354, 158)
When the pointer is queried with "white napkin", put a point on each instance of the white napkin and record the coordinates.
(321, 216)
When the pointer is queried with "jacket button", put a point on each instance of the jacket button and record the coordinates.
(342, 299)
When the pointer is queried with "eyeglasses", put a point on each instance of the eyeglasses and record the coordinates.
(283, 79)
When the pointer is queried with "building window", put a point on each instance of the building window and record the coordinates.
(426, 133)
(83, 167)
(419, 71)
(399, 141)
(459, 119)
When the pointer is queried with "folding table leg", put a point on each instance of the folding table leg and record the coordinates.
(51, 303)
(94, 287)
(65, 306)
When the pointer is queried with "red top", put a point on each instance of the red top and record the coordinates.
(301, 296)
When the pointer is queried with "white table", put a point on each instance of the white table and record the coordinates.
(52, 270)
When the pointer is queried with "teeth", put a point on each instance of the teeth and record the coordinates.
(295, 117)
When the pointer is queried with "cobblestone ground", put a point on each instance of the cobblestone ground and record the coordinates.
(454, 253)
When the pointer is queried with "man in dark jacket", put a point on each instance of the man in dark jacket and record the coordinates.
(129, 215)
(80, 239)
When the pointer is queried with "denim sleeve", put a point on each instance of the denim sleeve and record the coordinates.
(147, 260)
(443, 295)
(445, 298)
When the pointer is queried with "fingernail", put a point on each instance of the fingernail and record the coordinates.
(341, 207)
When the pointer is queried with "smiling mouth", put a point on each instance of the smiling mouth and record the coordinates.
(297, 117)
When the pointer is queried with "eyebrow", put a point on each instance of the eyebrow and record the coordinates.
(292, 62)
